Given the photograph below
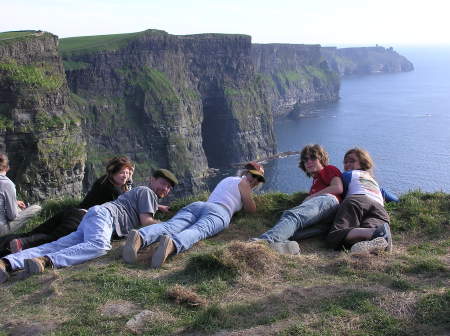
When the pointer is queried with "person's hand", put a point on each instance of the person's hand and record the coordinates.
(163, 208)
(21, 204)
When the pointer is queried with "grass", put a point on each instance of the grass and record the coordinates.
(224, 284)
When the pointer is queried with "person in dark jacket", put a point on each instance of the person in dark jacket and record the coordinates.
(107, 188)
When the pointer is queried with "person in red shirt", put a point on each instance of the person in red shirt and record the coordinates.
(319, 207)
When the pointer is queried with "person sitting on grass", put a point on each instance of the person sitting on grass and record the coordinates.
(13, 213)
(198, 220)
(319, 207)
(361, 222)
(108, 187)
(132, 209)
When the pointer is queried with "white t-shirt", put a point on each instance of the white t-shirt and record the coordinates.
(227, 194)
(362, 183)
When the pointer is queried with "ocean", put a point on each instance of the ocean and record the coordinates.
(402, 119)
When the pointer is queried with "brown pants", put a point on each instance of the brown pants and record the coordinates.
(354, 212)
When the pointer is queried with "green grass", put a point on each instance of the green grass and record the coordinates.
(320, 292)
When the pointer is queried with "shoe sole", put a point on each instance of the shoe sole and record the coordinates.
(388, 237)
(129, 253)
(33, 267)
(161, 252)
(290, 247)
(375, 245)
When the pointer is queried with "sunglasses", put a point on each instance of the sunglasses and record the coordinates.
(258, 177)
(307, 158)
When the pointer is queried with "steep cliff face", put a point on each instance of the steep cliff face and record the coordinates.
(181, 102)
(38, 130)
(365, 60)
(294, 75)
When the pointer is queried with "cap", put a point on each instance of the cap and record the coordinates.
(255, 168)
(167, 174)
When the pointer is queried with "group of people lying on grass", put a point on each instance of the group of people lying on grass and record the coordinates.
(352, 202)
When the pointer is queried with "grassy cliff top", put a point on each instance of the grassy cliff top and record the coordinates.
(225, 286)
(86, 44)
(14, 36)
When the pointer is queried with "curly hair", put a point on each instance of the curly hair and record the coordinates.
(316, 151)
(116, 164)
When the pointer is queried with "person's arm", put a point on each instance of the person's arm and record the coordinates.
(163, 208)
(10, 202)
(246, 195)
(335, 187)
(147, 219)
(388, 196)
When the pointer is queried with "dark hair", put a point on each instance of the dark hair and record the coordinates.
(4, 162)
(116, 164)
(316, 151)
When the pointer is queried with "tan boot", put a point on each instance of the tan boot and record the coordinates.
(166, 247)
(4, 274)
(35, 265)
(132, 247)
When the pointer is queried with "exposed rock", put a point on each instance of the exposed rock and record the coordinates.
(185, 103)
(295, 76)
(38, 130)
(365, 60)
(146, 319)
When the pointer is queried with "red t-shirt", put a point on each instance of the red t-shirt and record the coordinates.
(323, 179)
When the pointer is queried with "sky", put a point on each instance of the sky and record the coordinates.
(325, 22)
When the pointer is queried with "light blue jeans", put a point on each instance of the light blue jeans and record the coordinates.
(315, 210)
(196, 221)
(91, 240)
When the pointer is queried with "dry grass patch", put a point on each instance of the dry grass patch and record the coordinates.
(183, 295)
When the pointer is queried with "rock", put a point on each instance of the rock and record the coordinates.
(146, 319)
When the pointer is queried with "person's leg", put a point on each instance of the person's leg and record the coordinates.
(348, 217)
(96, 228)
(213, 219)
(315, 210)
(23, 217)
(182, 219)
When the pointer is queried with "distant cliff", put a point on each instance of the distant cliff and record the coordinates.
(365, 60)
(39, 132)
(181, 102)
(295, 75)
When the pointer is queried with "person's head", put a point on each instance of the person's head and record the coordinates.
(254, 173)
(358, 158)
(119, 170)
(313, 159)
(162, 182)
(4, 163)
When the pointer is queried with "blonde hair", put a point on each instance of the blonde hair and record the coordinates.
(365, 160)
(313, 150)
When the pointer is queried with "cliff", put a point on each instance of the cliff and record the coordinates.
(38, 130)
(365, 60)
(295, 75)
(181, 102)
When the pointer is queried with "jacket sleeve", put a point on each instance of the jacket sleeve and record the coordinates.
(101, 192)
(10, 202)
(388, 196)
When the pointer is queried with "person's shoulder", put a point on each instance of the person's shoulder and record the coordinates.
(330, 169)
(6, 183)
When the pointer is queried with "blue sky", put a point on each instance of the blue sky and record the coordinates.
(326, 22)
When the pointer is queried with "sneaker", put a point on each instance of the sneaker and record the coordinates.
(288, 247)
(15, 245)
(166, 247)
(132, 247)
(4, 274)
(35, 265)
(384, 231)
(375, 245)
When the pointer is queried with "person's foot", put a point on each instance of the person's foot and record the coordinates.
(166, 247)
(35, 265)
(15, 245)
(384, 231)
(370, 246)
(4, 274)
(288, 247)
(132, 247)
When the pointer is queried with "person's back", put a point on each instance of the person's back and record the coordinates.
(8, 202)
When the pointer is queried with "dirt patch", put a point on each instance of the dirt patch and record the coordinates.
(118, 308)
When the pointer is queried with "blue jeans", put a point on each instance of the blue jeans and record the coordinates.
(91, 240)
(196, 221)
(315, 210)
